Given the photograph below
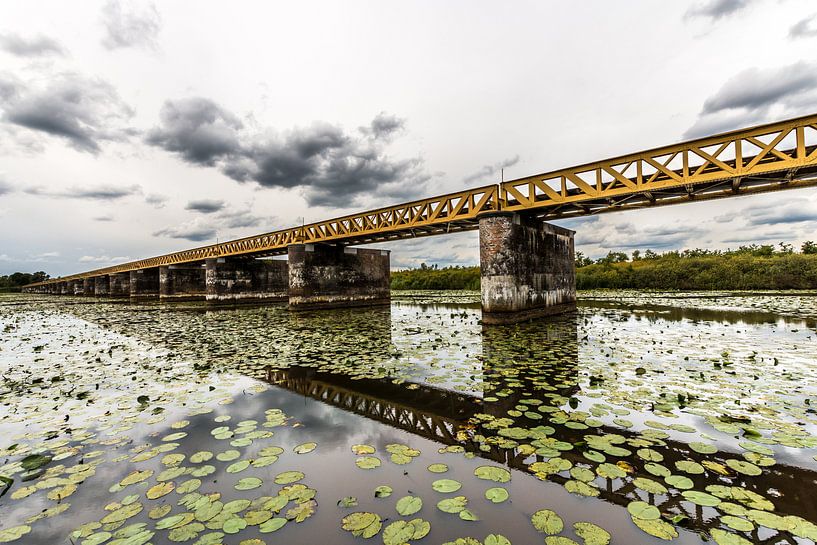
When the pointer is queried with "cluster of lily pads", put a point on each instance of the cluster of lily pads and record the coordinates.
(663, 422)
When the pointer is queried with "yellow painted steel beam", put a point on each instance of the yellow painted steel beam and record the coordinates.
(786, 147)
(765, 158)
(407, 218)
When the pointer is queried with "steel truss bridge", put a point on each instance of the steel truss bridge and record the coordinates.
(443, 416)
(760, 159)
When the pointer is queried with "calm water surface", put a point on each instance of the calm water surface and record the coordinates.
(641, 418)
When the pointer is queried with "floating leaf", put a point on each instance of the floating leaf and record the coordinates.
(700, 498)
(398, 533)
(249, 483)
(496, 539)
(438, 468)
(446, 485)
(591, 533)
(547, 521)
(657, 528)
(288, 477)
(409, 505)
(364, 524)
(367, 462)
(14, 533)
(305, 448)
(272, 525)
(159, 490)
(348, 501)
(382, 491)
(363, 449)
(493, 473)
(452, 505)
(643, 510)
(496, 495)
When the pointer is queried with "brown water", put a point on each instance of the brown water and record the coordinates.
(700, 407)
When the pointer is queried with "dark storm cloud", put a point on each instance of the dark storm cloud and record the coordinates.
(205, 206)
(193, 232)
(384, 125)
(97, 193)
(804, 28)
(38, 46)
(127, 26)
(487, 172)
(748, 98)
(199, 130)
(755, 89)
(82, 111)
(716, 9)
(332, 166)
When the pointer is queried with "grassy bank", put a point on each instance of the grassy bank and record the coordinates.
(716, 272)
(432, 278)
(747, 268)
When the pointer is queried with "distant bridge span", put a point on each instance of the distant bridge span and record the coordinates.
(760, 159)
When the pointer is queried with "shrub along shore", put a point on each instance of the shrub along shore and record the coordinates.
(755, 267)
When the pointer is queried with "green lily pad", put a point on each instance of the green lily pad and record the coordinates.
(249, 483)
(382, 491)
(452, 505)
(288, 477)
(547, 521)
(657, 528)
(643, 510)
(591, 533)
(496, 494)
(409, 505)
(493, 473)
(496, 539)
(722, 537)
(367, 462)
(305, 448)
(446, 485)
(398, 533)
(272, 525)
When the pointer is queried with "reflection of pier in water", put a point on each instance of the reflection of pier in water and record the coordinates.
(443, 416)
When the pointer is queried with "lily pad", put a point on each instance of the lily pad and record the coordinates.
(446, 485)
(409, 505)
(547, 521)
(493, 473)
(496, 494)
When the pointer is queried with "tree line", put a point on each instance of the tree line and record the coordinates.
(750, 267)
(14, 281)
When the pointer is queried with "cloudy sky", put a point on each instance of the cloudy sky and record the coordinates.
(131, 129)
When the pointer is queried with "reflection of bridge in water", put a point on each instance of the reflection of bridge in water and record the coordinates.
(444, 416)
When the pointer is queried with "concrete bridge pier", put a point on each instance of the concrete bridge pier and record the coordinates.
(184, 282)
(119, 284)
(527, 268)
(75, 287)
(246, 280)
(144, 284)
(88, 287)
(333, 275)
(101, 286)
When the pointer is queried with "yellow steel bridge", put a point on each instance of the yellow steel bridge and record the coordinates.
(770, 157)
